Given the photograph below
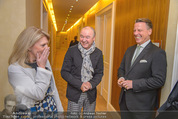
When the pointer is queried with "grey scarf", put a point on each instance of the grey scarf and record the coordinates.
(87, 68)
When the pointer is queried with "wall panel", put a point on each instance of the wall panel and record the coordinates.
(33, 13)
(126, 13)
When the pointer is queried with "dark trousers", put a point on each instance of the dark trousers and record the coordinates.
(126, 114)
(168, 115)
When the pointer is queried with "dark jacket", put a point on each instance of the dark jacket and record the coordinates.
(172, 100)
(71, 72)
(148, 74)
(170, 108)
(73, 43)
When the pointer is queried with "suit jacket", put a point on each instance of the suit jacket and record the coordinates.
(148, 74)
(71, 72)
(31, 86)
(172, 100)
(170, 107)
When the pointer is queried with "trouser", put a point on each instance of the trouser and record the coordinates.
(74, 109)
(126, 114)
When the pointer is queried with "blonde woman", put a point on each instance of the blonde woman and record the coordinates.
(30, 73)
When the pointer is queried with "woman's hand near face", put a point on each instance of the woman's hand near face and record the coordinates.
(41, 60)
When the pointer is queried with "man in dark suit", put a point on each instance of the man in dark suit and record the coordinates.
(73, 42)
(170, 107)
(141, 74)
(83, 70)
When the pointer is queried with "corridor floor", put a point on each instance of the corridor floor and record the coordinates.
(101, 104)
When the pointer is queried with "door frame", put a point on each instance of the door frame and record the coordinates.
(111, 7)
(175, 65)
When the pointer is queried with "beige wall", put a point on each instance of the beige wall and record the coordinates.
(33, 13)
(170, 47)
(12, 22)
(15, 15)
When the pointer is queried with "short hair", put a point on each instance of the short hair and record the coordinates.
(27, 38)
(145, 20)
(75, 37)
(10, 97)
(94, 32)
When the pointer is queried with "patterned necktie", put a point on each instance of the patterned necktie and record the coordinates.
(136, 54)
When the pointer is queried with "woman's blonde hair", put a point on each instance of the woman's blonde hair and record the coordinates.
(27, 38)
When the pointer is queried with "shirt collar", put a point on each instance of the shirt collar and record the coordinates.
(145, 44)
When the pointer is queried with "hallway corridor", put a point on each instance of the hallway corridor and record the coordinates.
(61, 84)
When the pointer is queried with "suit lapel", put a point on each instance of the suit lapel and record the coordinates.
(130, 55)
(144, 51)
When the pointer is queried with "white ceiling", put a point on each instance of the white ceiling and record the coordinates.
(62, 8)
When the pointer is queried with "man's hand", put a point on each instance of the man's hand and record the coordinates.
(127, 84)
(119, 81)
(88, 84)
(85, 86)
